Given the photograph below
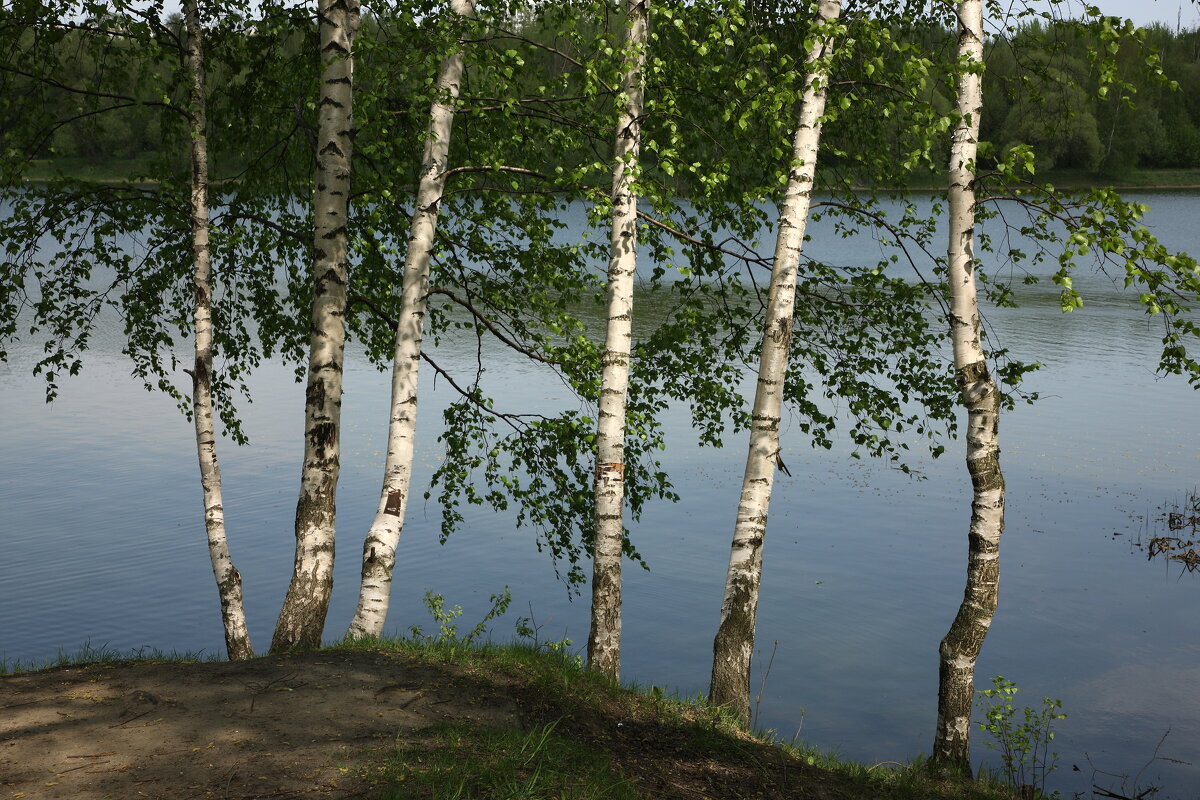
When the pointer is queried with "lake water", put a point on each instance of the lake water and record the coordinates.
(864, 567)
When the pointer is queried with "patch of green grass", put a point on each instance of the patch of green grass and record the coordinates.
(460, 760)
(89, 654)
(900, 779)
(553, 666)
(640, 733)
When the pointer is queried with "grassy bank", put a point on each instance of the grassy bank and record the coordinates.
(582, 736)
(495, 722)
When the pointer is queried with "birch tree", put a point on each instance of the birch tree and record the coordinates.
(229, 580)
(734, 643)
(379, 548)
(604, 638)
(119, 59)
(981, 398)
(302, 618)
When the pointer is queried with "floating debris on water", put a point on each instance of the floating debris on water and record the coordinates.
(1181, 541)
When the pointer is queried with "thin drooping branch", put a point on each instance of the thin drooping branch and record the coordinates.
(266, 222)
(125, 100)
(503, 106)
(48, 134)
(684, 237)
(515, 421)
(508, 34)
(900, 237)
(483, 320)
(496, 168)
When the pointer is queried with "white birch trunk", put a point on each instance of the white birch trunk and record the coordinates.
(302, 618)
(229, 581)
(379, 548)
(981, 397)
(734, 643)
(604, 637)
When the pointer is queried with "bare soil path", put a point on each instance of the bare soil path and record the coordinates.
(286, 726)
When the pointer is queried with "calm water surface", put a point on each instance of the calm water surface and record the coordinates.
(103, 539)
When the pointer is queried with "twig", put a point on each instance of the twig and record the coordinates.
(131, 719)
(487, 323)
(81, 766)
(762, 686)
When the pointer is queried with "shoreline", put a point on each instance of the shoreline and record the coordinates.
(1149, 180)
(361, 717)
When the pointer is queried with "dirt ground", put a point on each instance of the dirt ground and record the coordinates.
(288, 726)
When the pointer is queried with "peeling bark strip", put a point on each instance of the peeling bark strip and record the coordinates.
(379, 547)
(229, 581)
(604, 636)
(734, 642)
(302, 618)
(981, 397)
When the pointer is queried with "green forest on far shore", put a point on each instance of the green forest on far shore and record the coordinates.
(1042, 88)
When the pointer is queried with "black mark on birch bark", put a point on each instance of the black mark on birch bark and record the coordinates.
(315, 395)
(324, 434)
(973, 373)
(394, 501)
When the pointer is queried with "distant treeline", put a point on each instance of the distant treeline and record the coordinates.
(1042, 88)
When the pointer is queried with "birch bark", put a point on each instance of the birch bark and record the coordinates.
(229, 580)
(604, 636)
(981, 397)
(379, 547)
(734, 642)
(302, 618)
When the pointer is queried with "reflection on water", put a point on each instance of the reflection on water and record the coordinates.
(100, 514)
